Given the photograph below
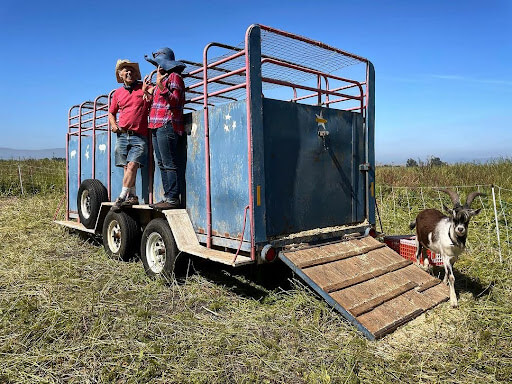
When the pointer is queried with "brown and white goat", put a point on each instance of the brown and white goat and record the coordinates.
(445, 235)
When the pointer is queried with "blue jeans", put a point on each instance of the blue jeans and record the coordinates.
(170, 153)
(131, 148)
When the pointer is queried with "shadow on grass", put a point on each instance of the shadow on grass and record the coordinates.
(250, 281)
(464, 283)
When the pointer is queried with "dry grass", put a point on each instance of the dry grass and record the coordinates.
(70, 314)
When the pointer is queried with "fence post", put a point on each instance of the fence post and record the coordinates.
(21, 180)
(496, 219)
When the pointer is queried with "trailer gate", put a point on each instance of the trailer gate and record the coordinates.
(367, 282)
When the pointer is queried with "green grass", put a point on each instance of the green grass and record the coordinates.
(68, 313)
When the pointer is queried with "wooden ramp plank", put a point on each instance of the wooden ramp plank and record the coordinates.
(186, 240)
(369, 284)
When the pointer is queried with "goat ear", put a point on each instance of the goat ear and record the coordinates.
(449, 211)
(475, 212)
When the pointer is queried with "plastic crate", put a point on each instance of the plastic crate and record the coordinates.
(393, 242)
(408, 251)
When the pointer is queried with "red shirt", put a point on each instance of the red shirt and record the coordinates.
(168, 104)
(133, 110)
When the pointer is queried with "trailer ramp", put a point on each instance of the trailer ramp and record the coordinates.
(367, 282)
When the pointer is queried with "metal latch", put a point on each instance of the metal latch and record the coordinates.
(365, 167)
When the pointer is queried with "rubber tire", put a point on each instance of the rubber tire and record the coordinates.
(159, 232)
(88, 201)
(128, 231)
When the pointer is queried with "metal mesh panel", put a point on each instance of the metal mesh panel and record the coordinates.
(282, 47)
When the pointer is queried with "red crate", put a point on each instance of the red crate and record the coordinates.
(393, 242)
(408, 251)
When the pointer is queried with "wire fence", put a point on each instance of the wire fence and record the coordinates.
(490, 231)
(25, 178)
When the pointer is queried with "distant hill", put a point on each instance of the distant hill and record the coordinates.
(10, 153)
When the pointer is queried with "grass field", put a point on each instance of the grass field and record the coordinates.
(68, 313)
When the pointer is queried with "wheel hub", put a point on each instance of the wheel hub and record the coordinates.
(155, 251)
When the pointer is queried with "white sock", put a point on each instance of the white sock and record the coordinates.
(133, 192)
(124, 192)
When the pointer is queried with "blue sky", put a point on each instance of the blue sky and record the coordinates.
(443, 77)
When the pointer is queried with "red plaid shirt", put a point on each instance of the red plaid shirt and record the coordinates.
(168, 104)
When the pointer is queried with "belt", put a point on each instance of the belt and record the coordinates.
(129, 132)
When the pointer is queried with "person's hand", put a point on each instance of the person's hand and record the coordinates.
(161, 75)
(147, 88)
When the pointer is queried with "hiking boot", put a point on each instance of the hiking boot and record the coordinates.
(117, 205)
(130, 200)
(163, 205)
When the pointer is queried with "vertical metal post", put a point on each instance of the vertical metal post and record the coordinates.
(207, 150)
(496, 220)
(21, 180)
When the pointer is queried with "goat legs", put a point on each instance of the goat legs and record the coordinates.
(453, 296)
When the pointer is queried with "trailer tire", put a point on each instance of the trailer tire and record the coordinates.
(158, 250)
(121, 235)
(90, 196)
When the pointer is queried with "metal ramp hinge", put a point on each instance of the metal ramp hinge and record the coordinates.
(365, 167)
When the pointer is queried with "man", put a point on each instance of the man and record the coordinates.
(131, 129)
(167, 126)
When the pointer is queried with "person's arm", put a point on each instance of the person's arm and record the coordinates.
(173, 90)
(112, 113)
(113, 123)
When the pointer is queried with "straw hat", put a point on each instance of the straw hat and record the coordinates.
(127, 63)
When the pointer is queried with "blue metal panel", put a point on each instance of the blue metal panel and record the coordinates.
(371, 141)
(101, 164)
(229, 173)
(86, 160)
(311, 183)
(195, 173)
(73, 172)
(256, 120)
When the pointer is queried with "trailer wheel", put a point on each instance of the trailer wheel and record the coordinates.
(158, 250)
(90, 196)
(121, 235)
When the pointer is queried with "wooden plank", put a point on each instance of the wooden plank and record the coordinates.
(74, 225)
(375, 302)
(428, 284)
(366, 276)
(338, 256)
(311, 253)
(393, 313)
(394, 325)
(186, 240)
(326, 275)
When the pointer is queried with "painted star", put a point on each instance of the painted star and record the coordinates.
(228, 116)
(320, 120)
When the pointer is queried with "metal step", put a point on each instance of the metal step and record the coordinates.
(367, 282)
(186, 240)
(74, 225)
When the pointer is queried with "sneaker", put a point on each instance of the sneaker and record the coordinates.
(117, 205)
(130, 200)
(163, 205)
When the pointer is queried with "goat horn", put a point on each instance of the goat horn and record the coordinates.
(453, 195)
(471, 197)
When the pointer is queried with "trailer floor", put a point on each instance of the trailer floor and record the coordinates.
(367, 282)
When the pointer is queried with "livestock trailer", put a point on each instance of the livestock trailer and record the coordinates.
(280, 164)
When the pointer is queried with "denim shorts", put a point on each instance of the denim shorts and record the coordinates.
(131, 148)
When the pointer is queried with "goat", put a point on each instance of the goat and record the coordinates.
(445, 235)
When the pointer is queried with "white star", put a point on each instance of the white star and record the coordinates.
(320, 120)
(226, 127)
(228, 117)
(233, 126)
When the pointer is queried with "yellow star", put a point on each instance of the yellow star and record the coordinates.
(320, 120)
